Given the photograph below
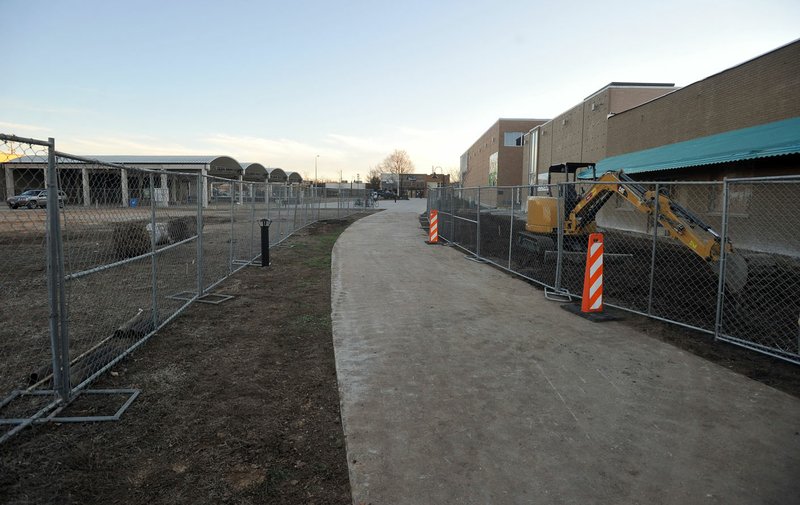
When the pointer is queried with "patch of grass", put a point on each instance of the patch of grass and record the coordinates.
(320, 262)
(329, 238)
(317, 251)
(311, 322)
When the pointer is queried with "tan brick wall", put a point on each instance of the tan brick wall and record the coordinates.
(509, 159)
(568, 135)
(760, 91)
(478, 165)
(595, 128)
(622, 99)
(581, 133)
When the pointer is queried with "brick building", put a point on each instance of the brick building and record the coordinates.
(495, 159)
(414, 185)
(581, 134)
(741, 122)
(758, 92)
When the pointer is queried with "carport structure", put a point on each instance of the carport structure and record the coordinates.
(91, 183)
(254, 172)
(293, 178)
(276, 175)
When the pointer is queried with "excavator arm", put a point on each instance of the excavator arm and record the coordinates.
(679, 222)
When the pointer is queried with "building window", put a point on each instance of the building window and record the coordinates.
(512, 139)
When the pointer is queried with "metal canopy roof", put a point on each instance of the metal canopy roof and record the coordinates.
(276, 175)
(160, 160)
(771, 139)
(255, 172)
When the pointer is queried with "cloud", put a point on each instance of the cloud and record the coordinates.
(135, 145)
(363, 145)
(21, 128)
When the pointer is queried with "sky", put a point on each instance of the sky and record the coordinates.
(343, 84)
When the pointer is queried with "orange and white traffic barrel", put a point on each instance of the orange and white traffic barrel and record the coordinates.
(593, 278)
(433, 228)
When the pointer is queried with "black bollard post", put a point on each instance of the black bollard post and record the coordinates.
(265, 242)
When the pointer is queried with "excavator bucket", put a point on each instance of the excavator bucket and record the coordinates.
(736, 271)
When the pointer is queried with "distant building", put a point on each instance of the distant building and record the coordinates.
(495, 159)
(414, 185)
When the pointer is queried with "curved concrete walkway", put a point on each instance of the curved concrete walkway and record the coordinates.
(460, 384)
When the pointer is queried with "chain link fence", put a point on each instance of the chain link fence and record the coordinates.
(747, 294)
(98, 256)
(28, 321)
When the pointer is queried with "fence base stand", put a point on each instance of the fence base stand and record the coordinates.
(557, 295)
(53, 417)
(212, 298)
(245, 263)
(474, 258)
(595, 317)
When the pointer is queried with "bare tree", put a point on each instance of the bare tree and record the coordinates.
(455, 175)
(397, 163)
(374, 177)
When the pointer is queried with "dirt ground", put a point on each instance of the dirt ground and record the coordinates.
(239, 403)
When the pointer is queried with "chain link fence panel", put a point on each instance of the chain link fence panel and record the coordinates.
(129, 249)
(26, 347)
(731, 270)
(765, 312)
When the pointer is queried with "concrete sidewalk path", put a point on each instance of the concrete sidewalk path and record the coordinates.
(460, 384)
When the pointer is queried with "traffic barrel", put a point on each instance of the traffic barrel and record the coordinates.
(593, 277)
(433, 228)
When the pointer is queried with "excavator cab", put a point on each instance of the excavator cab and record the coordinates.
(543, 210)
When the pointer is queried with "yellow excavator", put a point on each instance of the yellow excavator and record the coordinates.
(580, 213)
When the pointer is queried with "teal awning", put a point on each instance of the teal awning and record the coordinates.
(771, 139)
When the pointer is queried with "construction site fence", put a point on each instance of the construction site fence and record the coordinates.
(96, 257)
(749, 296)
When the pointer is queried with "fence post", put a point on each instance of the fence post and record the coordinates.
(296, 204)
(722, 258)
(305, 207)
(253, 188)
(653, 252)
(200, 197)
(478, 226)
(233, 232)
(267, 194)
(560, 236)
(511, 228)
(453, 216)
(280, 206)
(56, 292)
(153, 259)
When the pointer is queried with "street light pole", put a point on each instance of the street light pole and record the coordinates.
(315, 170)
